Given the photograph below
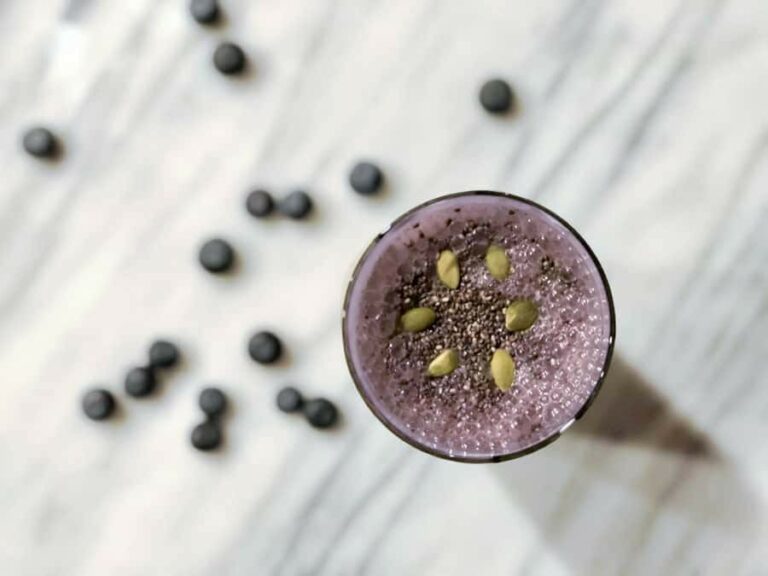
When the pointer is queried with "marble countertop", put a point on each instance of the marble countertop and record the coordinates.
(642, 123)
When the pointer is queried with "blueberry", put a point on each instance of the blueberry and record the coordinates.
(163, 354)
(229, 58)
(289, 400)
(39, 142)
(496, 96)
(296, 205)
(212, 401)
(366, 178)
(259, 203)
(216, 255)
(140, 382)
(265, 347)
(206, 436)
(321, 413)
(204, 11)
(98, 404)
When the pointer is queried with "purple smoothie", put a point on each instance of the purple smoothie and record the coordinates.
(561, 360)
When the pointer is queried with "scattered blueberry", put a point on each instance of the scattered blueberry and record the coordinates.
(264, 347)
(140, 382)
(229, 58)
(212, 401)
(216, 256)
(163, 354)
(39, 142)
(289, 400)
(296, 205)
(98, 404)
(204, 11)
(496, 96)
(206, 436)
(321, 413)
(259, 203)
(366, 178)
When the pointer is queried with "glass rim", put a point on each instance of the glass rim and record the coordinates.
(497, 457)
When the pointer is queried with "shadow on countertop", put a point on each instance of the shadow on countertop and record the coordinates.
(634, 487)
(629, 411)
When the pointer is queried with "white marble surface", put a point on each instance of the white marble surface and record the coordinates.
(643, 123)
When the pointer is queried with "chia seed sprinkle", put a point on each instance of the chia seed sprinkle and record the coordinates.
(470, 319)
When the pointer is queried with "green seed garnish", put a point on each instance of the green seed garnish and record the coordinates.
(448, 269)
(443, 364)
(417, 319)
(503, 370)
(520, 315)
(497, 262)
